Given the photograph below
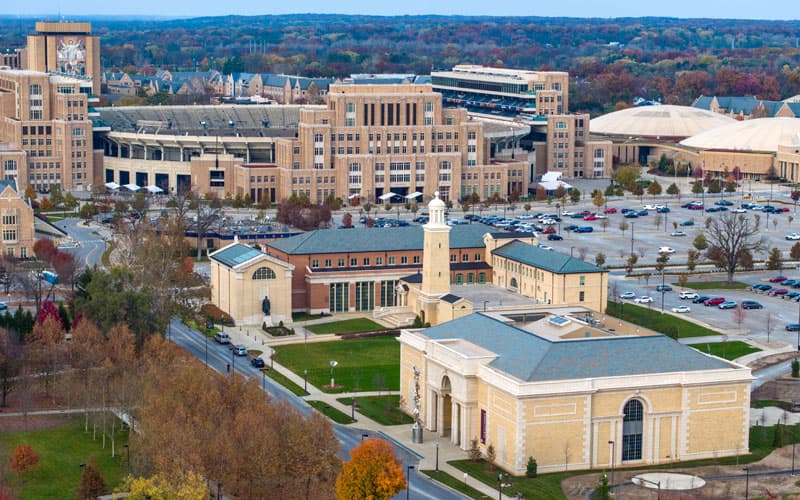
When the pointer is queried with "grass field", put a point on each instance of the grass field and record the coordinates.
(714, 285)
(456, 484)
(654, 320)
(727, 350)
(61, 450)
(304, 316)
(286, 382)
(331, 412)
(353, 325)
(548, 486)
(363, 364)
(382, 409)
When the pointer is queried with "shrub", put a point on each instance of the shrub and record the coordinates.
(218, 315)
(277, 331)
(777, 438)
(530, 470)
(491, 454)
(474, 452)
(795, 368)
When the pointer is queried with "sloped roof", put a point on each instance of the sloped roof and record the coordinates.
(759, 135)
(664, 121)
(549, 260)
(362, 239)
(532, 358)
(235, 254)
(703, 102)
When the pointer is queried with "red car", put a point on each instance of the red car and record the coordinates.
(778, 279)
(590, 217)
(586, 212)
(695, 207)
(778, 291)
(610, 211)
(714, 301)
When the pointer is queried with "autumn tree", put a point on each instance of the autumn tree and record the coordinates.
(189, 487)
(775, 260)
(728, 236)
(794, 253)
(91, 485)
(700, 242)
(24, 460)
(626, 176)
(673, 190)
(598, 199)
(347, 220)
(638, 190)
(654, 189)
(575, 195)
(373, 471)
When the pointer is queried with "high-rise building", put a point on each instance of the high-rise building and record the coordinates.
(46, 116)
(68, 48)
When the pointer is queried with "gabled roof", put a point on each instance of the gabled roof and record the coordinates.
(703, 102)
(236, 254)
(548, 260)
(4, 183)
(273, 80)
(532, 358)
(374, 239)
(451, 299)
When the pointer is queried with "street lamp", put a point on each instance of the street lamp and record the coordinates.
(219, 491)
(305, 380)
(409, 468)
(632, 224)
(333, 365)
(746, 470)
(500, 478)
(612, 464)
(437, 457)
(128, 450)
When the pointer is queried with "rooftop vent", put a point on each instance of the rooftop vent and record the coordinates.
(558, 320)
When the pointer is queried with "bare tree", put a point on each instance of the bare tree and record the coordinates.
(729, 235)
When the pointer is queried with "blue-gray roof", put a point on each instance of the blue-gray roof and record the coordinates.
(703, 102)
(235, 255)
(531, 358)
(4, 183)
(548, 260)
(386, 239)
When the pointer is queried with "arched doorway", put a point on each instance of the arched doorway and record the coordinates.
(447, 408)
(513, 283)
(632, 430)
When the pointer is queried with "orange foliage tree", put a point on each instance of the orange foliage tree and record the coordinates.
(372, 472)
(24, 459)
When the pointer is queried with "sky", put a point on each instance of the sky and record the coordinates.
(740, 9)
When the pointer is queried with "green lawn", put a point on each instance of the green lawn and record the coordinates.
(456, 484)
(331, 412)
(61, 451)
(286, 382)
(548, 486)
(353, 325)
(382, 409)
(714, 285)
(654, 320)
(304, 316)
(727, 350)
(763, 403)
(363, 364)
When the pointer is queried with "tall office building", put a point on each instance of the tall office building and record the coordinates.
(68, 48)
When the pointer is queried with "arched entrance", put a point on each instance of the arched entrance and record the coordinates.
(447, 411)
(632, 430)
(513, 283)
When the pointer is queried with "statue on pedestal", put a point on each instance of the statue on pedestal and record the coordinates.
(416, 429)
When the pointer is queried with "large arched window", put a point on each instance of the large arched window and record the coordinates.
(264, 273)
(513, 282)
(632, 430)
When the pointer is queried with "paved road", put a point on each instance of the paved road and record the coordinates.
(92, 246)
(220, 356)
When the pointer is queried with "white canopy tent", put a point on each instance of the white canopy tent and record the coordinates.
(387, 196)
(414, 195)
(353, 196)
(132, 187)
(154, 189)
(112, 185)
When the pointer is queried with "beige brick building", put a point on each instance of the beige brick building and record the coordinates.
(67, 48)
(16, 222)
(573, 393)
(47, 117)
(372, 140)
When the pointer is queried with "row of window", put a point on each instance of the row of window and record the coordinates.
(365, 262)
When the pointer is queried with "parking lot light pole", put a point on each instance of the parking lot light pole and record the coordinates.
(746, 470)
(409, 468)
(611, 486)
(632, 224)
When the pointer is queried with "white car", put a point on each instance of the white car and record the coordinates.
(627, 295)
(738, 210)
(547, 222)
(681, 309)
(650, 207)
(688, 295)
(644, 299)
(545, 247)
(678, 233)
(600, 216)
(666, 250)
(793, 236)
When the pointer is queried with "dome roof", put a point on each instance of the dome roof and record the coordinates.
(436, 202)
(759, 134)
(663, 121)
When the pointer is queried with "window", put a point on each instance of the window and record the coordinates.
(341, 263)
(353, 262)
(9, 234)
(378, 261)
(470, 278)
(481, 278)
(327, 262)
(453, 258)
(416, 259)
(404, 260)
(264, 273)
(477, 257)
(314, 264)
(459, 279)
(391, 261)
(483, 426)
(582, 280)
(581, 296)
(632, 430)
(465, 257)
(366, 261)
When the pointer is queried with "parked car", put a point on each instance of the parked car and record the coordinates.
(662, 210)
(590, 217)
(644, 299)
(663, 288)
(258, 363)
(545, 247)
(793, 327)
(778, 291)
(627, 295)
(688, 295)
(788, 282)
(610, 211)
(751, 304)
(667, 250)
(714, 301)
(778, 279)
(791, 295)
(678, 233)
(738, 210)
(631, 215)
(554, 237)
(240, 350)
(793, 236)
(681, 309)
(695, 207)
(761, 287)
(571, 227)
(728, 304)
(642, 213)
(700, 299)
(3, 306)
(687, 223)
(222, 338)
(584, 229)
(712, 209)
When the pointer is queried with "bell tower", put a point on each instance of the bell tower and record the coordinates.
(436, 250)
